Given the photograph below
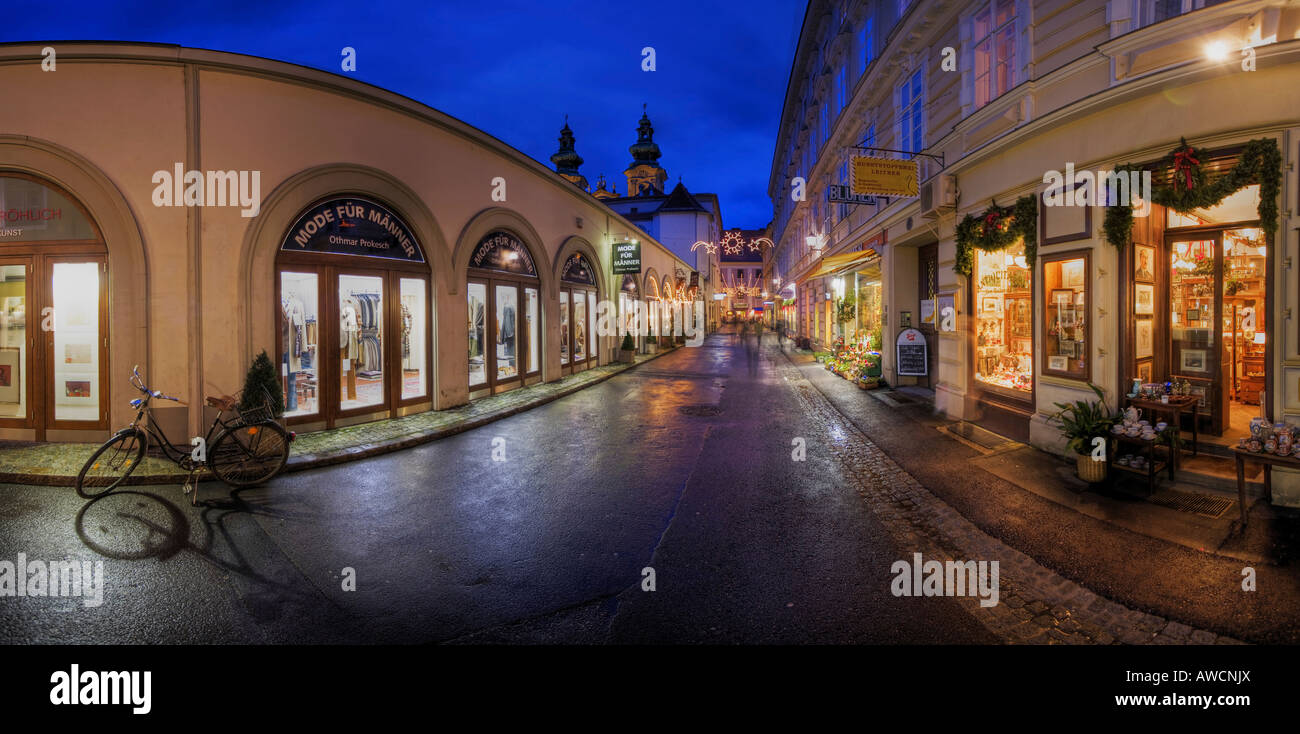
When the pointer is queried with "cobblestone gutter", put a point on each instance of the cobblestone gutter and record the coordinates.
(1036, 605)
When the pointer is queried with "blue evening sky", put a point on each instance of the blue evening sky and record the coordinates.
(514, 68)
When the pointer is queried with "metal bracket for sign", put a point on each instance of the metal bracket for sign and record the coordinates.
(904, 152)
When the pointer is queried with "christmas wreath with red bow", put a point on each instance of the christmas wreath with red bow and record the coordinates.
(998, 228)
(1260, 162)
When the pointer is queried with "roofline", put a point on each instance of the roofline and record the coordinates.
(146, 52)
(794, 64)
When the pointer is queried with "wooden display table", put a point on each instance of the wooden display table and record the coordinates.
(1269, 461)
(1147, 449)
(1175, 408)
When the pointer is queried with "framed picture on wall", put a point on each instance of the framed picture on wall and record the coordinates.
(1144, 299)
(1144, 263)
(1193, 360)
(1072, 274)
(1202, 392)
(1144, 372)
(1143, 338)
(990, 306)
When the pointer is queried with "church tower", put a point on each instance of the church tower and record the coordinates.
(567, 160)
(645, 177)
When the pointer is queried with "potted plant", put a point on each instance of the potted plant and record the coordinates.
(627, 350)
(1081, 422)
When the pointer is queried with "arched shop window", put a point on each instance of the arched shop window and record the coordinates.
(53, 285)
(628, 294)
(504, 316)
(353, 293)
(577, 314)
(652, 305)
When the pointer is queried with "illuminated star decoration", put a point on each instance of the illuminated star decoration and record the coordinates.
(732, 243)
(709, 247)
(756, 245)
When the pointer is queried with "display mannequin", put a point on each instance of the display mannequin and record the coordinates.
(349, 346)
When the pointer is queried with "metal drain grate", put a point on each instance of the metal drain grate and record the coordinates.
(1197, 504)
(700, 411)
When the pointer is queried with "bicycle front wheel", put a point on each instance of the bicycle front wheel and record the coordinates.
(249, 455)
(111, 463)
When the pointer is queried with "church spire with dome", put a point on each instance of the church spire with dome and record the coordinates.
(645, 177)
(567, 160)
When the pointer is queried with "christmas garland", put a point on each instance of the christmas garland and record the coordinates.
(1260, 162)
(998, 228)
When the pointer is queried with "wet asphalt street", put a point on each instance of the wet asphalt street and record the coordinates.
(449, 544)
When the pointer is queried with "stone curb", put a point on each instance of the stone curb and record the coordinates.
(303, 462)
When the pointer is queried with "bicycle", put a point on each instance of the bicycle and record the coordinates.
(245, 451)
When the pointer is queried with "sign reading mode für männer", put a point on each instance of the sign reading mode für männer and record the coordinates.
(627, 258)
(353, 226)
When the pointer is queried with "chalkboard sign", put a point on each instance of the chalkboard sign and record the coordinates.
(911, 350)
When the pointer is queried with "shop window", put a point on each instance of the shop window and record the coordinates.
(76, 333)
(477, 333)
(51, 262)
(415, 376)
(300, 337)
(354, 319)
(505, 348)
(1066, 324)
(1003, 320)
(13, 341)
(564, 327)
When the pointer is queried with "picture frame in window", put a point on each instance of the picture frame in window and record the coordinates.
(1144, 338)
(1144, 267)
(1144, 299)
(1058, 363)
(1144, 371)
(1062, 296)
(991, 306)
(1194, 360)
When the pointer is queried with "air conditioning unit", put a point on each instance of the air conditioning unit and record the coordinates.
(939, 194)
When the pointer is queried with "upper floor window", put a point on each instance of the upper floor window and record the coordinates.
(842, 88)
(1154, 11)
(911, 112)
(867, 42)
(994, 33)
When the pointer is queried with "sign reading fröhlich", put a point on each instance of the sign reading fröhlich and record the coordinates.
(627, 258)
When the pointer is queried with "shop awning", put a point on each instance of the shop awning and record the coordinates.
(832, 263)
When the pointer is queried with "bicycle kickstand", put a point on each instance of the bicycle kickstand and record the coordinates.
(192, 486)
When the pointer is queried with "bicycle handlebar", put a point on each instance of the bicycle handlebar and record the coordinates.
(138, 382)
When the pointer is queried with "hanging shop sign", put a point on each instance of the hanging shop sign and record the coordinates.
(353, 226)
(884, 176)
(627, 258)
(911, 357)
(836, 193)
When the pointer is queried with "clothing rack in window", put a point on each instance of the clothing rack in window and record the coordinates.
(370, 362)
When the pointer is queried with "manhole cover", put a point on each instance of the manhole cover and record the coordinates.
(701, 411)
(1197, 504)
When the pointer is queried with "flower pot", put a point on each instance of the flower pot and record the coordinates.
(1090, 470)
(627, 356)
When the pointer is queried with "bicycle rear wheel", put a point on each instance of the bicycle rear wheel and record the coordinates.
(249, 455)
(111, 463)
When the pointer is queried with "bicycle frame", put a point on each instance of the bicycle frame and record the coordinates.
(154, 432)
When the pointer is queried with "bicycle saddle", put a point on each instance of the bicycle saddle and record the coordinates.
(224, 402)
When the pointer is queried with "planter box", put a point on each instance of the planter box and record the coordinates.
(627, 356)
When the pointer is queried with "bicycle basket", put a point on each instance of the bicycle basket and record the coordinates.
(262, 412)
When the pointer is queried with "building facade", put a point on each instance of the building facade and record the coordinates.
(389, 258)
(1028, 281)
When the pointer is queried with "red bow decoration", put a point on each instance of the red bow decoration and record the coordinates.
(1183, 162)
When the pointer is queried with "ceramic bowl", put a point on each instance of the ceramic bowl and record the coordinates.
(1161, 426)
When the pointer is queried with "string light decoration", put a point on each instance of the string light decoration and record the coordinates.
(732, 243)
(757, 245)
(709, 247)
